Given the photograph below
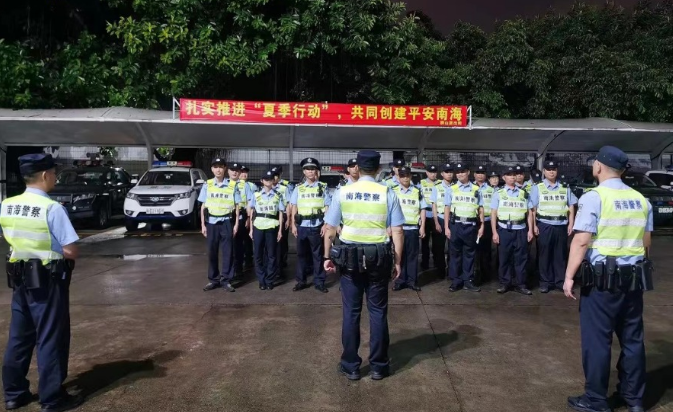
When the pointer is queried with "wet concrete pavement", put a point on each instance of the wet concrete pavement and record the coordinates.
(145, 337)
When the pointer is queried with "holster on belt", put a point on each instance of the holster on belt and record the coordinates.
(34, 274)
(205, 215)
(644, 272)
(611, 274)
(585, 274)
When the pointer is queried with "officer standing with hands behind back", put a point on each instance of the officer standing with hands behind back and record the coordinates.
(365, 260)
(219, 224)
(609, 253)
(39, 269)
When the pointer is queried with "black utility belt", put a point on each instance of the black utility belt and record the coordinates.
(552, 218)
(361, 258)
(609, 276)
(229, 216)
(512, 222)
(267, 216)
(34, 274)
(300, 218)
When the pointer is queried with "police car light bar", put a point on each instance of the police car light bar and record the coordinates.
(418, 165)
(332, 168)
(170, 163)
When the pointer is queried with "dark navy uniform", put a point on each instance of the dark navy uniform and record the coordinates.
(40, 300)
(367, 209)
(284, 188)
(617, 219)
(485, 254)
(431, 234)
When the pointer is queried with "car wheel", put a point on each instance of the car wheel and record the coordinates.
(103, 217)
(131, 225)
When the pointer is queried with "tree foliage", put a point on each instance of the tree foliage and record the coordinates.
(593, 61)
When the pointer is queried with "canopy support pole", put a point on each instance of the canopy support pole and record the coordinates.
(656, 156)
(291, 153)
(148, 145)
(423, 143)
(3, 172)
(542, 150)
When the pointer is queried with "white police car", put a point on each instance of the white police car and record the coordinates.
(417, 173)
(167, 193)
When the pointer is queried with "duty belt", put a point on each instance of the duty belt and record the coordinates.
(463, 219)
(267, 215)
(229, 215)
(34, 274)
(363, 258)
(609, 276)
(512, 222)
(552, 218)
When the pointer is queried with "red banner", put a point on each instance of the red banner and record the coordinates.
(323, 113)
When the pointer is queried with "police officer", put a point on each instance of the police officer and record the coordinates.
(520, 178)
(494, 179)
(284, 188)
(611, 242)
(484, 254)
(234, 171)
(309, 201)
(219, 224)
(427, 186)
(554, 219)
(437, 200)
(42, 252)
(365, 261)
(265, 210)
(463, 224)
(512, 225)
(413, 203)
(250, 190)
(353, 171)
(394, 180)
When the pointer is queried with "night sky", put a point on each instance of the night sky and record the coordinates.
(484, 13)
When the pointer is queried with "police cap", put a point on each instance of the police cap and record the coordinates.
(447, 168)
(369, 159)
(309, 162)
(352, 162)
(431, 169)
(244, 168)
(550, 164)
(536, 176)
(494, 173)
(218, 161)
(34, 163)
(277, 169)
(518, 169)
(480, 169)
(268, 175)
(613, 157)
(404, 171)
(510, 170)
(398, 163)
(461, 166)
(236, 167)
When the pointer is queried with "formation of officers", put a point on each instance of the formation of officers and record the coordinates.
(457, 218)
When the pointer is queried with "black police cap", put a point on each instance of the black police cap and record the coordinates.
(244, 168)
(352, 162)
(369, 159)
(398, 163)
(310, 162)
(494, 173)
(461, 166)
(447, 167)
(550, 164)
(268, 175)
(518, 169)
(235, 167)
(480, 169)
(431, 168)
(404, 171)
(511, 170)
(613, 157)
(218, 161)
(34, 163)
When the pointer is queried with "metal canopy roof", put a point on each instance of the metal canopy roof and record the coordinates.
(119, 126)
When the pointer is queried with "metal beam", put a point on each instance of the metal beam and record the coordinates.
(657, 152)
(291, 153)
(542, 151)
(148, 145)
(3, 172)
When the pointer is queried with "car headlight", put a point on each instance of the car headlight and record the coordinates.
(132, 196)
(83, 197)
(182, 195)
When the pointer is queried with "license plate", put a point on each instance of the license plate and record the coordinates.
(665, 210)
(155, 211)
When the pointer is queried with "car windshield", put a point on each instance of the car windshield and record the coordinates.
(166, 178)
(638, 180)
(82, 177)
(331, 180)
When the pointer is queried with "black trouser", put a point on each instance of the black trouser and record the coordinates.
(439, 249)
(409, 275)
(240, 240)
(552, 244)
(220, 236)
(513, 252)
(485, 254)
(283, 245)
(463, 248)
(310, 248)
(266, 262)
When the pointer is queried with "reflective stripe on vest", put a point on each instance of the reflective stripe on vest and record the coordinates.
(464, 204)
(311, 200)
(364, 208)
(411, 205)
(512, 207)
(24, 225)
(487, 195)
(220, 200)
(267, 206)
(621, 225)
(553, 203)
(441, 191)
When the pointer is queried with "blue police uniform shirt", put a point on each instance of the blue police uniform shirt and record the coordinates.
(395, 215)
(495, 201)
(428, 213)
(250, 190)
(589, 212)
(484, 186)
(252, 201)
(433, 198)
(203, 195)
(60, 228)
(395, 180)
(422, 206)
(295, 196)
(535, 200)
